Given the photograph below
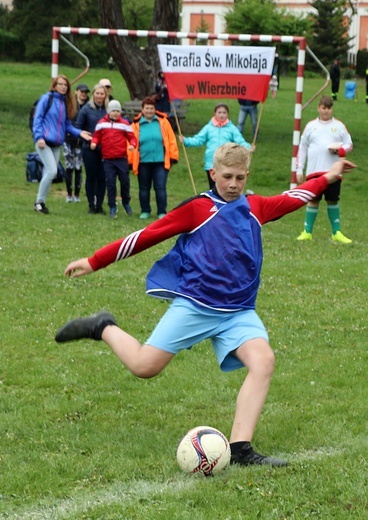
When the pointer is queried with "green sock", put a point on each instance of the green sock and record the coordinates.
(333, 212)
(310, 217)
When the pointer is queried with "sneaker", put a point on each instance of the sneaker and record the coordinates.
(41, 208)
(145, 215)
(128, 209)
(100, 211)
(91, 211)
(91, 327)
(76, 199)
(339, 237)
(304, 235)
(113, 212)
(69, 198)
(161, 215)
(246, 456)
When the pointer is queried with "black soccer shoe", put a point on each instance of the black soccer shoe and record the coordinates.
(246, 456)
(91, 327)
(40, 207)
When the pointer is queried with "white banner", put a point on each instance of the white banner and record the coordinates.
(217, 71)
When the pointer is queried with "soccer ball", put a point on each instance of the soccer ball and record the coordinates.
(203, 450)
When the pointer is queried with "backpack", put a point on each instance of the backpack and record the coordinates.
(34, 169)
(33, 111)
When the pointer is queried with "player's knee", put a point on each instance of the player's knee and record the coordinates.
(145, 372)
(270, 361)
(267, 365)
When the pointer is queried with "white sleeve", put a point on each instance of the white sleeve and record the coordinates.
(301, 158)
(347, 142)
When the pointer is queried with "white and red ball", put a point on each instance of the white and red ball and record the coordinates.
(203, 450)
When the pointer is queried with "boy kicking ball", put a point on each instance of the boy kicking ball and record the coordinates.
(212, 274)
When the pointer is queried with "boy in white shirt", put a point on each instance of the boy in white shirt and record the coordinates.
(323, 138)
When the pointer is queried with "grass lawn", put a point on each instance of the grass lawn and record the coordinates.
(81, 438)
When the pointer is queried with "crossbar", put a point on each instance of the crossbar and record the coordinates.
(300, 41)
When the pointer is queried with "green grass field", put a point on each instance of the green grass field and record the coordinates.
(81, 438)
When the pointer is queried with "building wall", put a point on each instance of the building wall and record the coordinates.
(363, 32)
(358, 30)
(211, 12)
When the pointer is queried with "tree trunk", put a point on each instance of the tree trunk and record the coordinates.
(138, 66)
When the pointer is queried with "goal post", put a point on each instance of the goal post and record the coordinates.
(299, 41)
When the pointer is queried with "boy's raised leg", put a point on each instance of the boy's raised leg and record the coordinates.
(143, 361)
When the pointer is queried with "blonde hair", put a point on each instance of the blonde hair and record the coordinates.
(92, 100)
(231, 154)
(70, 102)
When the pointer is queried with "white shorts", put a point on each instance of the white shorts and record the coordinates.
(185, 324)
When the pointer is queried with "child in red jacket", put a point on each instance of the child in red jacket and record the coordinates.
(113, 133)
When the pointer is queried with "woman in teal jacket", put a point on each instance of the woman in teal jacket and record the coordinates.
(218, 131)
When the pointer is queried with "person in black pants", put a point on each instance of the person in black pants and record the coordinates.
(335, 78)
(72, 149)
(88, 117)
(114, 134)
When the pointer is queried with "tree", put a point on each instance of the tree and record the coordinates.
(252, 17)
(138, 13)
(264, 17)
(202, 27)
(11, 46)
(31, 21)
(138, 65)
(330, 26)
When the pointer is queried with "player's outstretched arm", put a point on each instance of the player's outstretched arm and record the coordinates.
(78, 268)
(337, 169)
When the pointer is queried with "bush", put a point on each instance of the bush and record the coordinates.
(11, 47)
(349, 73)
(362, 62)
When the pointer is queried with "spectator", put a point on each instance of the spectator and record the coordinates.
(218, 131)
(335, 78)
(50, 127)
(157, 151)
(323, 138)
(248, 107)
(162, 95)
(107, 84)
(87, 119)
(273, 86)
(72, 148)
(112, 134)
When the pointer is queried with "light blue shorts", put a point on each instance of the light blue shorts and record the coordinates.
(184, 324)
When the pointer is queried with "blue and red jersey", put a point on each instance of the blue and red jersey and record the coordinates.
(217, 259)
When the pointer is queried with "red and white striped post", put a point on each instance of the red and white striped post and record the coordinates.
(298, 40)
